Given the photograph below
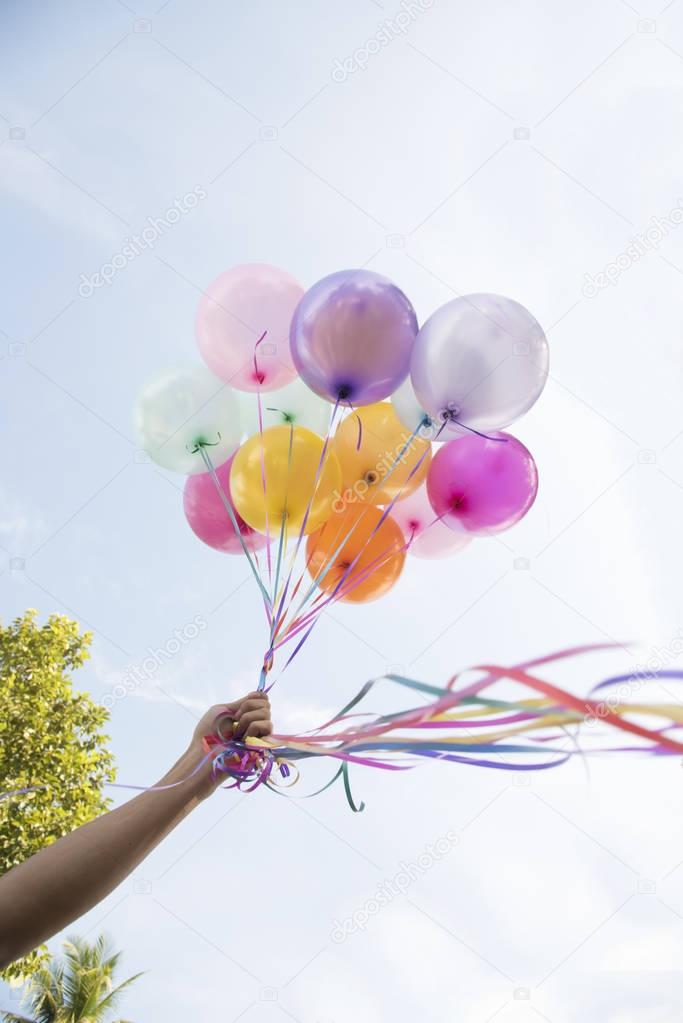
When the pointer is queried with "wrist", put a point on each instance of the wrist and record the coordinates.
(191, 779)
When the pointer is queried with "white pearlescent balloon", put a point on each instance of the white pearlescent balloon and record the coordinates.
(182, 409)
(294, 404)
(480, 360)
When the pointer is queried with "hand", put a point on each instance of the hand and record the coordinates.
(251, 717)
(68, 877)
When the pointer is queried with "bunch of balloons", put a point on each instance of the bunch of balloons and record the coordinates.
(327, 422)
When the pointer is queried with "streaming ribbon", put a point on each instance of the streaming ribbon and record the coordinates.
(463, 724)
(460, 723)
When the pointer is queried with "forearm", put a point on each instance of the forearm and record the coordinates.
(61, 882)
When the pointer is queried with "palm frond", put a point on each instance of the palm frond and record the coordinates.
(76, 989)
(111, 999)
(45, 992)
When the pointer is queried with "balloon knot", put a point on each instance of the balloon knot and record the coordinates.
(202, 442)
(450, 414)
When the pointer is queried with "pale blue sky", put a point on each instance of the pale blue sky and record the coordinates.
(507, 148)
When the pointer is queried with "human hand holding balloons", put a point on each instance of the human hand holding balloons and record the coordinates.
(327, 423)
(357, 440)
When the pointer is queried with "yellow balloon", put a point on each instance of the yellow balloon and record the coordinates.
(385, 442)
(289, 480)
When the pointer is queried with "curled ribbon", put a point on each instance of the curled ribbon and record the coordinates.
(461, 724)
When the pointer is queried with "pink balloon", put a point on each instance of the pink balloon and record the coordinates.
(234, 311)
(208, 517)
(482, 485)
(430, 537)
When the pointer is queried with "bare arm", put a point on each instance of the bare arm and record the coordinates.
(61, 882)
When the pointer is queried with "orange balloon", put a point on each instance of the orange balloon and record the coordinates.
(378, 470)
(381, 554)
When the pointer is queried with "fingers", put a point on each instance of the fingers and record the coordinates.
(251, 705)
(253, 719)
(236, 705)
(259, 729)
(250, 716)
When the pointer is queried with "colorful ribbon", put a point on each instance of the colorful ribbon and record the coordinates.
(460, 724)
(467, 725)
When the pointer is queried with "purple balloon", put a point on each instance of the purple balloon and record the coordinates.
(482, 485)
(480, 360)
(352, 337)
(207, 515)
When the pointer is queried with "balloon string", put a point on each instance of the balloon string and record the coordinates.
(560, 701)
(313, 616)
(416, 533)
(619, 679)
(228, 507)
(282, 545)
(330, 561)
(304, 522)
(352, 583)
(283, 526)
(485, 436)
(259, 408)
(401, 740)
(317, 582)
(277, 618)
(297, 621)
(320, 578)
(315, 612)
(575, 651)
(309, 557)
(340, 589)
(329, 566)
(22, 792)
(389, 507)
(322, 601)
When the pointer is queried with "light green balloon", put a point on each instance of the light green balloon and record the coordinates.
(182, 410)
(295, 403)
(411, 413)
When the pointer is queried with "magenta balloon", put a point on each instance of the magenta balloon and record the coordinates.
(233, 313)
(482, 485)
(352, 337)
(481, 360)
(208, 517)
(428, 536)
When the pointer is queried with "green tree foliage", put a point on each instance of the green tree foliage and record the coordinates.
(51, 736)
(76, 989)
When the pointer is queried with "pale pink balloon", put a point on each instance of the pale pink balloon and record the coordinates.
(209, 518)
(431, 538)
(237, 309)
